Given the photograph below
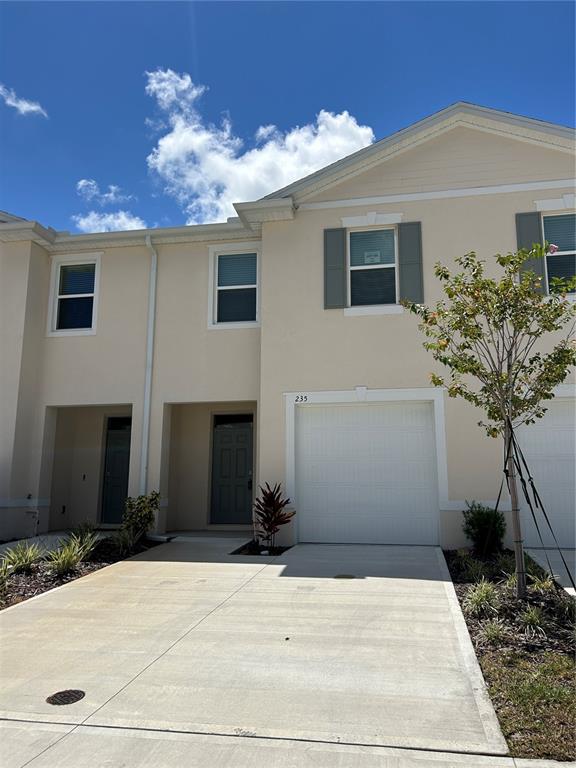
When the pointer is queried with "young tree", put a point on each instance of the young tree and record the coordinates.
(486, 332)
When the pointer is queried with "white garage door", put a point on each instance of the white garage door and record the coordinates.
(550, 450)
(366, 473)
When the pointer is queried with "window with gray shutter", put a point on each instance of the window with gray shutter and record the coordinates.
(560, 230)
(372, 267)
(528, 233)
(335, 281)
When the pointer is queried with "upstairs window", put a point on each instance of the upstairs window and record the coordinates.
(372, 260)
(236, 287)
(73, 295)
(561, 231)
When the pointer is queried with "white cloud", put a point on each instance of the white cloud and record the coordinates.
(205, 167)
(93, 221)
(22, 106)
(90, 191)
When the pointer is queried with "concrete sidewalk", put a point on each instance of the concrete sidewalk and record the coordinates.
(186, 650)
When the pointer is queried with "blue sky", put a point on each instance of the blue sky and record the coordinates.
(288, 87)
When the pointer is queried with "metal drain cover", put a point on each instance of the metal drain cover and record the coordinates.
(344, 576)
(65, 697)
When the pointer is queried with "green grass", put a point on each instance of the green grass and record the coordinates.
(535, 697)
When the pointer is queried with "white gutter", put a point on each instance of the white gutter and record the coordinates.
(146, 408)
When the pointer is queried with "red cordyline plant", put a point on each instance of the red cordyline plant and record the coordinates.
(270, 512)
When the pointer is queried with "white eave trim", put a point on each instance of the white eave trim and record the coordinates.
(439, 194)
(18, 231)
(258, 211)
(65, 242)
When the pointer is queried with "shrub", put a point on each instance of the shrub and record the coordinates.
(543, 584)
(481, 599)
(485, 527)
(66, 558)
(84, 528)
(3, 581)
(474, 570)
(22, 557)
(123, 542)
(495, 631)
(505, 563)
(271, 513)
(84, 542)
(533, 622)
(510, 581)
(139, 516)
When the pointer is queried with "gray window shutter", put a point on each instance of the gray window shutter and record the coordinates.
(411, 279)
(529, 232)
(335, 283)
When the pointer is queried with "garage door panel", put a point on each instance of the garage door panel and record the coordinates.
(367, 473)
(549, 447)
(387, 472)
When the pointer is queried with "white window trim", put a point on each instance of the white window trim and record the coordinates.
(68, 260)
(571, 297)
(434, 395)
(223, 250)
(559, 204)
(362, 310)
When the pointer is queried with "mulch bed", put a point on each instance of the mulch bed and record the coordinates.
(254, 547)
(531, 676)
(23, 586)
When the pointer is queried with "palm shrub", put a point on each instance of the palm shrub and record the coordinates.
(485, 527)
(270, 512)
(22, 557)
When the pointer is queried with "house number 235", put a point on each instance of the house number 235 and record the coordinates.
(301, 399)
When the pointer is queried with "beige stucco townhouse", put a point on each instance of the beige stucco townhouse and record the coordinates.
(204, 360)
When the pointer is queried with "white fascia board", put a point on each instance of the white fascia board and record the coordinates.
(259, 211)
(439, 194)
(27, 230)
(460, 114)
(65, 242)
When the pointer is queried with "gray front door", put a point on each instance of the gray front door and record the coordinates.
(116, 466)
(232, 470)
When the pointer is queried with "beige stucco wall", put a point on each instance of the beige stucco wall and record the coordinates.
(300, 347)
(190, 462)
(307, 348)
(79, 448)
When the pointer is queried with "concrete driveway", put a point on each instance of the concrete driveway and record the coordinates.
(189, 656)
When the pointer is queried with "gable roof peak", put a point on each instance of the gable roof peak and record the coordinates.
(460, 113)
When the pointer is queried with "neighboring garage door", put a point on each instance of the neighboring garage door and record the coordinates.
(549, 446)
(366, 473)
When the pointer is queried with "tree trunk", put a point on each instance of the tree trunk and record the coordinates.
(516, 527)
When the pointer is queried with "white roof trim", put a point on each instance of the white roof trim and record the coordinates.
(66, 242)
(460, 114)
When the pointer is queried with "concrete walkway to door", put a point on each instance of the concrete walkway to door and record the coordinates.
(328, 655)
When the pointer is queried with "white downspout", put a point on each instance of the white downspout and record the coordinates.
(149, 363)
